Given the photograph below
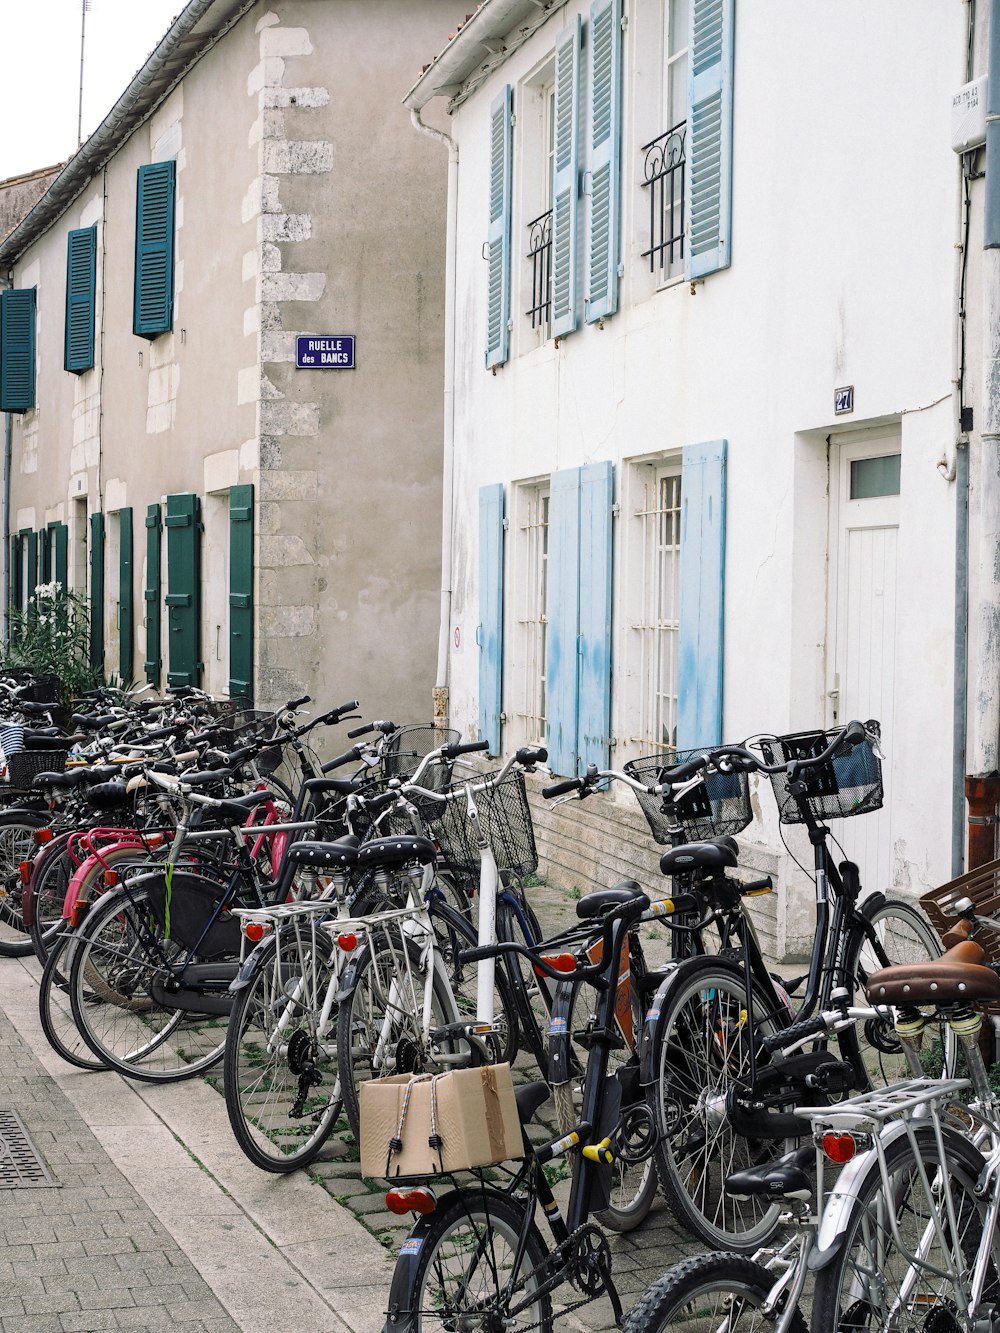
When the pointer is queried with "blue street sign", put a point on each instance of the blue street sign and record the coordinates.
(324, 351)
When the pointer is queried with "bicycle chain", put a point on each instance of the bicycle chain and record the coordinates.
(568, 1261)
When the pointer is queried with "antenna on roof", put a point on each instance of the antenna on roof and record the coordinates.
(84, 6)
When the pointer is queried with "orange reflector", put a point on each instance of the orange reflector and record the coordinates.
(562, 962)
(420, 1200)
(154, 840)
(80, 910)
(347, 942)
(110, 878)
(42, 835)
(25, 869)
(254, 931)
(839, 1148)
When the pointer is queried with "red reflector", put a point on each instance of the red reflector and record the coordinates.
(562, 962)
(254, 931)
(154, 840)
(110, 878)
(419, 1200)
(42, 835)
(25, 869)
(839, 1148)
(347, 942)
(80, 909)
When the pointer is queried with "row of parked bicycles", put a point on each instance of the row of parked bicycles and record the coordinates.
(202, 891)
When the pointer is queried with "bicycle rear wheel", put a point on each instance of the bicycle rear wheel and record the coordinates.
(47, 890)
(54, 1010)
(705, 1294)
(17, 844)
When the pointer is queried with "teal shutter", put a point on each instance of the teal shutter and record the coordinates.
(241, 592)
(81, 289)
(126, 604)
(17, 350)
(45, 554)
(183, 597)
(703, 563)
(490, 633)
(710, 135)
(151, 596)
(498, 242)
(565, 180)
(97, 591)
(31, 562)
(60, 534)
(154, 251)
(16, 577)
(596, 502)
(561, 666)
(604, 157)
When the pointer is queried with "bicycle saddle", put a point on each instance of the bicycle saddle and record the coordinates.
(107, 795)
(784, 1179)
(598, 902)
(394, 852)
(718, 854)
(959, 974)
(321, 854)
(64, 781)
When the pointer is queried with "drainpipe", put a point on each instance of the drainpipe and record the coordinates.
(8, 450)
(983, 783)
(441, 703)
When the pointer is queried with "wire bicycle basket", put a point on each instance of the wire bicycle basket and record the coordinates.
(716, 808)
(505, 819)
(849, 784)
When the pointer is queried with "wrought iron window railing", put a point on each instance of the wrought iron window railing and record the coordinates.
(540, 259)
(664, 178)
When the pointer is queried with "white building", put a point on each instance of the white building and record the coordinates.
(706, 385)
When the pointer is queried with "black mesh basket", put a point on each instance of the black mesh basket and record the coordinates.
(849, 784)
(718, 807)
(401, 756)
(24, 767)
(505, 818)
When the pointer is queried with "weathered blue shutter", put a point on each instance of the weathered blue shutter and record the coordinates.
(126, 604)
(183, 597)
(490, 633)
(17, 350)
(154, 250)
(604, 158)
(151, 596)
(703, 573)
(241, 592)
(81, 288)
(498, 241)
(60, 535)
(97, 591)
(710, 135)
(566, 179)
(561, 661)
(594, 726)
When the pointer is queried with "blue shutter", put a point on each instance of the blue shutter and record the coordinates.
(17, 350)
(81, 288)
(154, 251)
(562, 700)
(604, 159)
(490, 633)
(565, 179)
(498, 243)
(710, 135)
(594, 727)
(703, 564)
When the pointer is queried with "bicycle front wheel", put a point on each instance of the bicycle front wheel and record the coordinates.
(17, 844)
(282, 1091)
(466, 1275)
(54, 1012)
(893, 1267)
(705, 1294)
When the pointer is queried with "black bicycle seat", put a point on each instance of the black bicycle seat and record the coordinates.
(529, 1097)
(323, 854)
(784, 1179)
(719, 854)
(394, 852)
(598, 902)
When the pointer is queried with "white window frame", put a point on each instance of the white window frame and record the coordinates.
(528, 616)
(534, 148)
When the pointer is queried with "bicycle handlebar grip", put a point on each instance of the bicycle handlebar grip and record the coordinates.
(382, 801)
(347, 757)
(809, 1027)
(298, 703)
(854, 734)
(529, 755)
(341, 709)
(361, 731)
(681, 772)
(560, 788)
(467, 747)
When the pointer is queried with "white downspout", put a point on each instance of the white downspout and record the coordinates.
(441, 705)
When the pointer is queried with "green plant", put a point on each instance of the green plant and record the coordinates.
(533, 881)
(576, 891)
(51, 636)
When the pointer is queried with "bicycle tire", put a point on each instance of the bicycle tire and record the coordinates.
(872, 1047)
(699, 1054)
(130, 1030)
(17, 844)
(857, 1288)
(705, 1293)
(269, 1076)
(465, 1252)
(369, 1001)
(47, 892)
(55, 1012)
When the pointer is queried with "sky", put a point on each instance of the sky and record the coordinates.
(40, 64)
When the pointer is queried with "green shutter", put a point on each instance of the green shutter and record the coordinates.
(61, 544)
(154, 251)
(17, 350)
(241, 592)
(81, 288)
(151, 594)
(45, 554)
(183, 597)
(31, 561)
(16, 574)
(97, 591)
(126, 608)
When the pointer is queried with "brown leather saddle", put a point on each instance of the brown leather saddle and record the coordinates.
(959, 975)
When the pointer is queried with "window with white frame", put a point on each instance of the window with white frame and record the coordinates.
(664, 166)
(652, 594)
(528, 686)
(537, 145)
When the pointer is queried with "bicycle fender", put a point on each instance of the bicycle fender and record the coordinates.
(560, 1053)
(249, 966)
(651, 1023)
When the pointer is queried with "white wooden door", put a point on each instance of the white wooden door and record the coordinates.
(865, 484)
